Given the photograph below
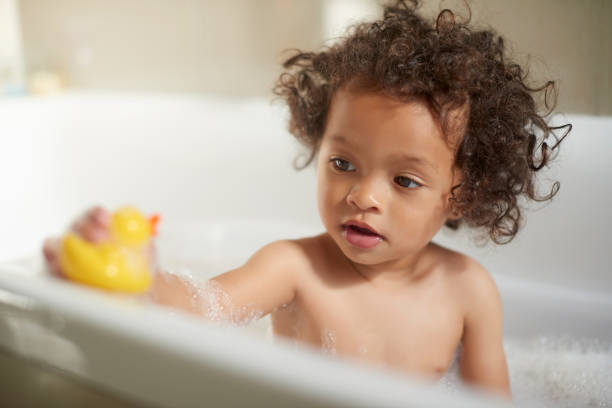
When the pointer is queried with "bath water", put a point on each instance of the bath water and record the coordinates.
(560, 371)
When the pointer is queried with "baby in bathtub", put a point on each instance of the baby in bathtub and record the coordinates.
(412, 125)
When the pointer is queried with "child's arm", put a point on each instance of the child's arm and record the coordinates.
(482, 359)
(266, 281)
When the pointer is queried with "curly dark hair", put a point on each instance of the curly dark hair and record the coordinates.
(446, 65)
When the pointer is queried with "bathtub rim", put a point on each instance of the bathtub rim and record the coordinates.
(42, 298)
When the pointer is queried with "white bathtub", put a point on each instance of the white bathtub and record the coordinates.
(218, 168)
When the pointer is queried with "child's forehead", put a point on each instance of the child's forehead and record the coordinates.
(356, 111)
(372, 113)
(359, 107)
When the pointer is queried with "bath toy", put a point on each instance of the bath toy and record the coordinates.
(120, 263)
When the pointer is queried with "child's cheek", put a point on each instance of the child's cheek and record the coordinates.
(321, 195)
(329, 199)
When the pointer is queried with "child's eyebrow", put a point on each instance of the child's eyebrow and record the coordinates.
(339, 139)
(400, 157)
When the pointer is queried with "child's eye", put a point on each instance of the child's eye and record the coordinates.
(406, 182)
(342, 164)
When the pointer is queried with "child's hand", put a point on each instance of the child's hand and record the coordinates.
(92, 226)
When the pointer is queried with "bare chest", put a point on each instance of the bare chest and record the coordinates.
(414, 331)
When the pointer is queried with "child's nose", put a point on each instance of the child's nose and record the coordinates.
(365, 195)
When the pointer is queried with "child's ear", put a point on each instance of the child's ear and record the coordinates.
(452, 212)
(454, 215)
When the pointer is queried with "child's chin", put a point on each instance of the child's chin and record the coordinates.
(371, 256)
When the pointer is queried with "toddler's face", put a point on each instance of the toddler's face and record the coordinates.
(383, 163)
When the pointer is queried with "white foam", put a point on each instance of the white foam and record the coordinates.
(328, 341)
(215, 304)
(559, 372)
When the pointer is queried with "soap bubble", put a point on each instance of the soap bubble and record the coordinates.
(210, 300)
(547, 372)
(328, 342)
(560, 371)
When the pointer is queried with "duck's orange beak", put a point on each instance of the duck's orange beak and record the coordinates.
(154, 220)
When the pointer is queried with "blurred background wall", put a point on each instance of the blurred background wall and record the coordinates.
(234, 48)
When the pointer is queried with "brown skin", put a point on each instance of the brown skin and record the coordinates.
(407, 302)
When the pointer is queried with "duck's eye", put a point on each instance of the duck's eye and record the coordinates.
(406, 182)
(342, 164)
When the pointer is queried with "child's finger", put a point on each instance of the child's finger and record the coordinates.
(51, 248)
(79, 225)
(88, 217)
(93, 232)
(99, 216)
(88, 230)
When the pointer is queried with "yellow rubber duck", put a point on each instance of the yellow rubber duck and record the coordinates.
(121, 263)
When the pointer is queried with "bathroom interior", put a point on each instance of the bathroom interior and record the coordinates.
(167, 106)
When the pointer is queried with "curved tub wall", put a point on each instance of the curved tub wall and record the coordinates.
(197, 157)
(147, 354)
(185, 157)
(215, 166)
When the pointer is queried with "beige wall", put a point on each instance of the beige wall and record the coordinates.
(233, 47)
(569, 41)
(215, 46)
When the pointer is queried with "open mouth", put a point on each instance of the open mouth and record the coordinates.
(360, 236)
(361, 230)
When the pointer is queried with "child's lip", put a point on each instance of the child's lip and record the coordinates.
(361, 225)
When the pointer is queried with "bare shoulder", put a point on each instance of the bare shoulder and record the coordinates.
(292, 253)
(480, 297)
(478, 285)
(281, 248)
(320, 260)
(283, 253)
(465, 270)
(473, 283)
(270, 277)
(483, 360)
(309, 248)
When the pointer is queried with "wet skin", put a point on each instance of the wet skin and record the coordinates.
(414, 327)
